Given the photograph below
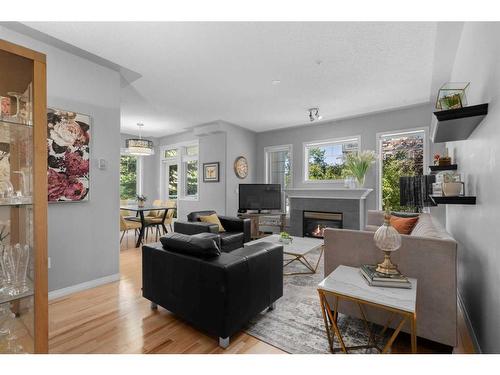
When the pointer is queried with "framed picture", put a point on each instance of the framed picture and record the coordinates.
(68, 144)
(211, 172)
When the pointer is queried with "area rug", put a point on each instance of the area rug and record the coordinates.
(296, 325)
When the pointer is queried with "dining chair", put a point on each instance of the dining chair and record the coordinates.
(126, 213)
(126, 225)
(157, 221)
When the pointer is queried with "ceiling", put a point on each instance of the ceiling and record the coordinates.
(197, 72)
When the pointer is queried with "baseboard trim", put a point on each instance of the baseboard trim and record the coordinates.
(83, 286)
(473, 336)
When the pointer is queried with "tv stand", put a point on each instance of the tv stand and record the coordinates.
(255, 220)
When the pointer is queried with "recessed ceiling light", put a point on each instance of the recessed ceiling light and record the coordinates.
(275, 82)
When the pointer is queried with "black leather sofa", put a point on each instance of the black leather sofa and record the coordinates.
(218, 292)
(238, 231)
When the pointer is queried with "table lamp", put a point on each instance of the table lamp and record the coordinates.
(388, 240)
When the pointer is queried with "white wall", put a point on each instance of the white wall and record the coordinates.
(83, 238)
(365, 126)
(475, 227)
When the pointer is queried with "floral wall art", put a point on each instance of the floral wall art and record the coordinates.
(68, 156)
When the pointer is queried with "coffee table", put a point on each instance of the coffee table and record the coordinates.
(347, 284)
(297, 251)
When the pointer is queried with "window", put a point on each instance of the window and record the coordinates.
(180, 163)
(171, 153)
(401, 154)
(324, 161)
(172, 180)
(191, 168)
(279, 169)
(128, 177)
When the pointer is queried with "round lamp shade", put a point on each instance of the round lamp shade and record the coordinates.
(386, 237)
(136, 146)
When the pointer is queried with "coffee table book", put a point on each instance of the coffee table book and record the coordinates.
(374, 278)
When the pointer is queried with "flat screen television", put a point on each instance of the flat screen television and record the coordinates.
(259, 197)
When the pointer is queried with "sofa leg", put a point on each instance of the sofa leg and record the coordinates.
(154, 306)
(223, 342)
(272, 306)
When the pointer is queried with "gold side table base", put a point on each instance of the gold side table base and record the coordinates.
(302, 259)
(330, 317)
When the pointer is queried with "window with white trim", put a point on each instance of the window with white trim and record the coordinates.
(324, 160)
(180, 171)
(279, 169)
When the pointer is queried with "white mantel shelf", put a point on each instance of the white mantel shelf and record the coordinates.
(329, 193)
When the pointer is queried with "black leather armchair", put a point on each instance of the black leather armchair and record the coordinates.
(238, 231)
(219, 294)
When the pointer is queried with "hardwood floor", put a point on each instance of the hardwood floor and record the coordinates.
(114, 318)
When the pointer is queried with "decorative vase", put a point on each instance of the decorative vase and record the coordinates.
(360, 181)
(286, 241)
(452, 189)
(388, 240)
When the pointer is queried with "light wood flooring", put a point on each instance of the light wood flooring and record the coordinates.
(114, 318)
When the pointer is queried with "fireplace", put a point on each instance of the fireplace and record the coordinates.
(315, 222)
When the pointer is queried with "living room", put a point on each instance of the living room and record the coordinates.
(322, 188)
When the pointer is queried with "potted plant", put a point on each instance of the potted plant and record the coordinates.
(141, 199)
(285, 238)
(357, 164)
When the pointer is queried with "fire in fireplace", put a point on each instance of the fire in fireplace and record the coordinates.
(315, 222)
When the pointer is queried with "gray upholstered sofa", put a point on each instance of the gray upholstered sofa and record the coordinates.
(428, 254)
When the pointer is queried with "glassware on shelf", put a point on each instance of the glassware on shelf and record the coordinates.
(18, 96)
(8, 340)
(14, 263)
(6, 191)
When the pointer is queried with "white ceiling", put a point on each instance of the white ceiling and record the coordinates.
(194, 73)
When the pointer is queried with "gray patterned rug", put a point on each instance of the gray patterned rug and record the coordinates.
(296, 325)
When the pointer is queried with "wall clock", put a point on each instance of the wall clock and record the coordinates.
(241, 167)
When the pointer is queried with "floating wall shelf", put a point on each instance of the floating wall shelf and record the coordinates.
(438, 168)
(453, 200)
(457, 124)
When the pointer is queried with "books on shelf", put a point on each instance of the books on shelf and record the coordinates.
(374, 278)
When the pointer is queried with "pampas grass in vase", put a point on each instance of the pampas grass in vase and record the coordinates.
(357, 164)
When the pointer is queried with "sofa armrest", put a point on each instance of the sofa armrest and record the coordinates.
(235, 224)
(375, 218)
(195, 227)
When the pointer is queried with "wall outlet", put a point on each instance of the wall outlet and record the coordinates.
(49, 263)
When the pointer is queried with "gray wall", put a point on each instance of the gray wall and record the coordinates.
(240, 142)
(366, 126)
(83, 238)
(478, 158)
(212, 195)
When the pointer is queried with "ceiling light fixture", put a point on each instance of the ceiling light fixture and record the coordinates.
(275, 82)
(314, 114)
(139, 146)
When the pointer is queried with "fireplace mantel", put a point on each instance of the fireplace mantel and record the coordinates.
(328, 193)
(351, 203)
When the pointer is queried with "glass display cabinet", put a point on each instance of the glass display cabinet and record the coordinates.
(23, 201)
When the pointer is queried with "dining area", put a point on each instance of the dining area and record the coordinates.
(147, 222)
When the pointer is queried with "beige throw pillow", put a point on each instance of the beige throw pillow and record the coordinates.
(212, 219)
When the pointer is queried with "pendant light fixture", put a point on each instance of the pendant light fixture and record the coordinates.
(139, 146)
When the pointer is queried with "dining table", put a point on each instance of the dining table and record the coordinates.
(139, 210)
